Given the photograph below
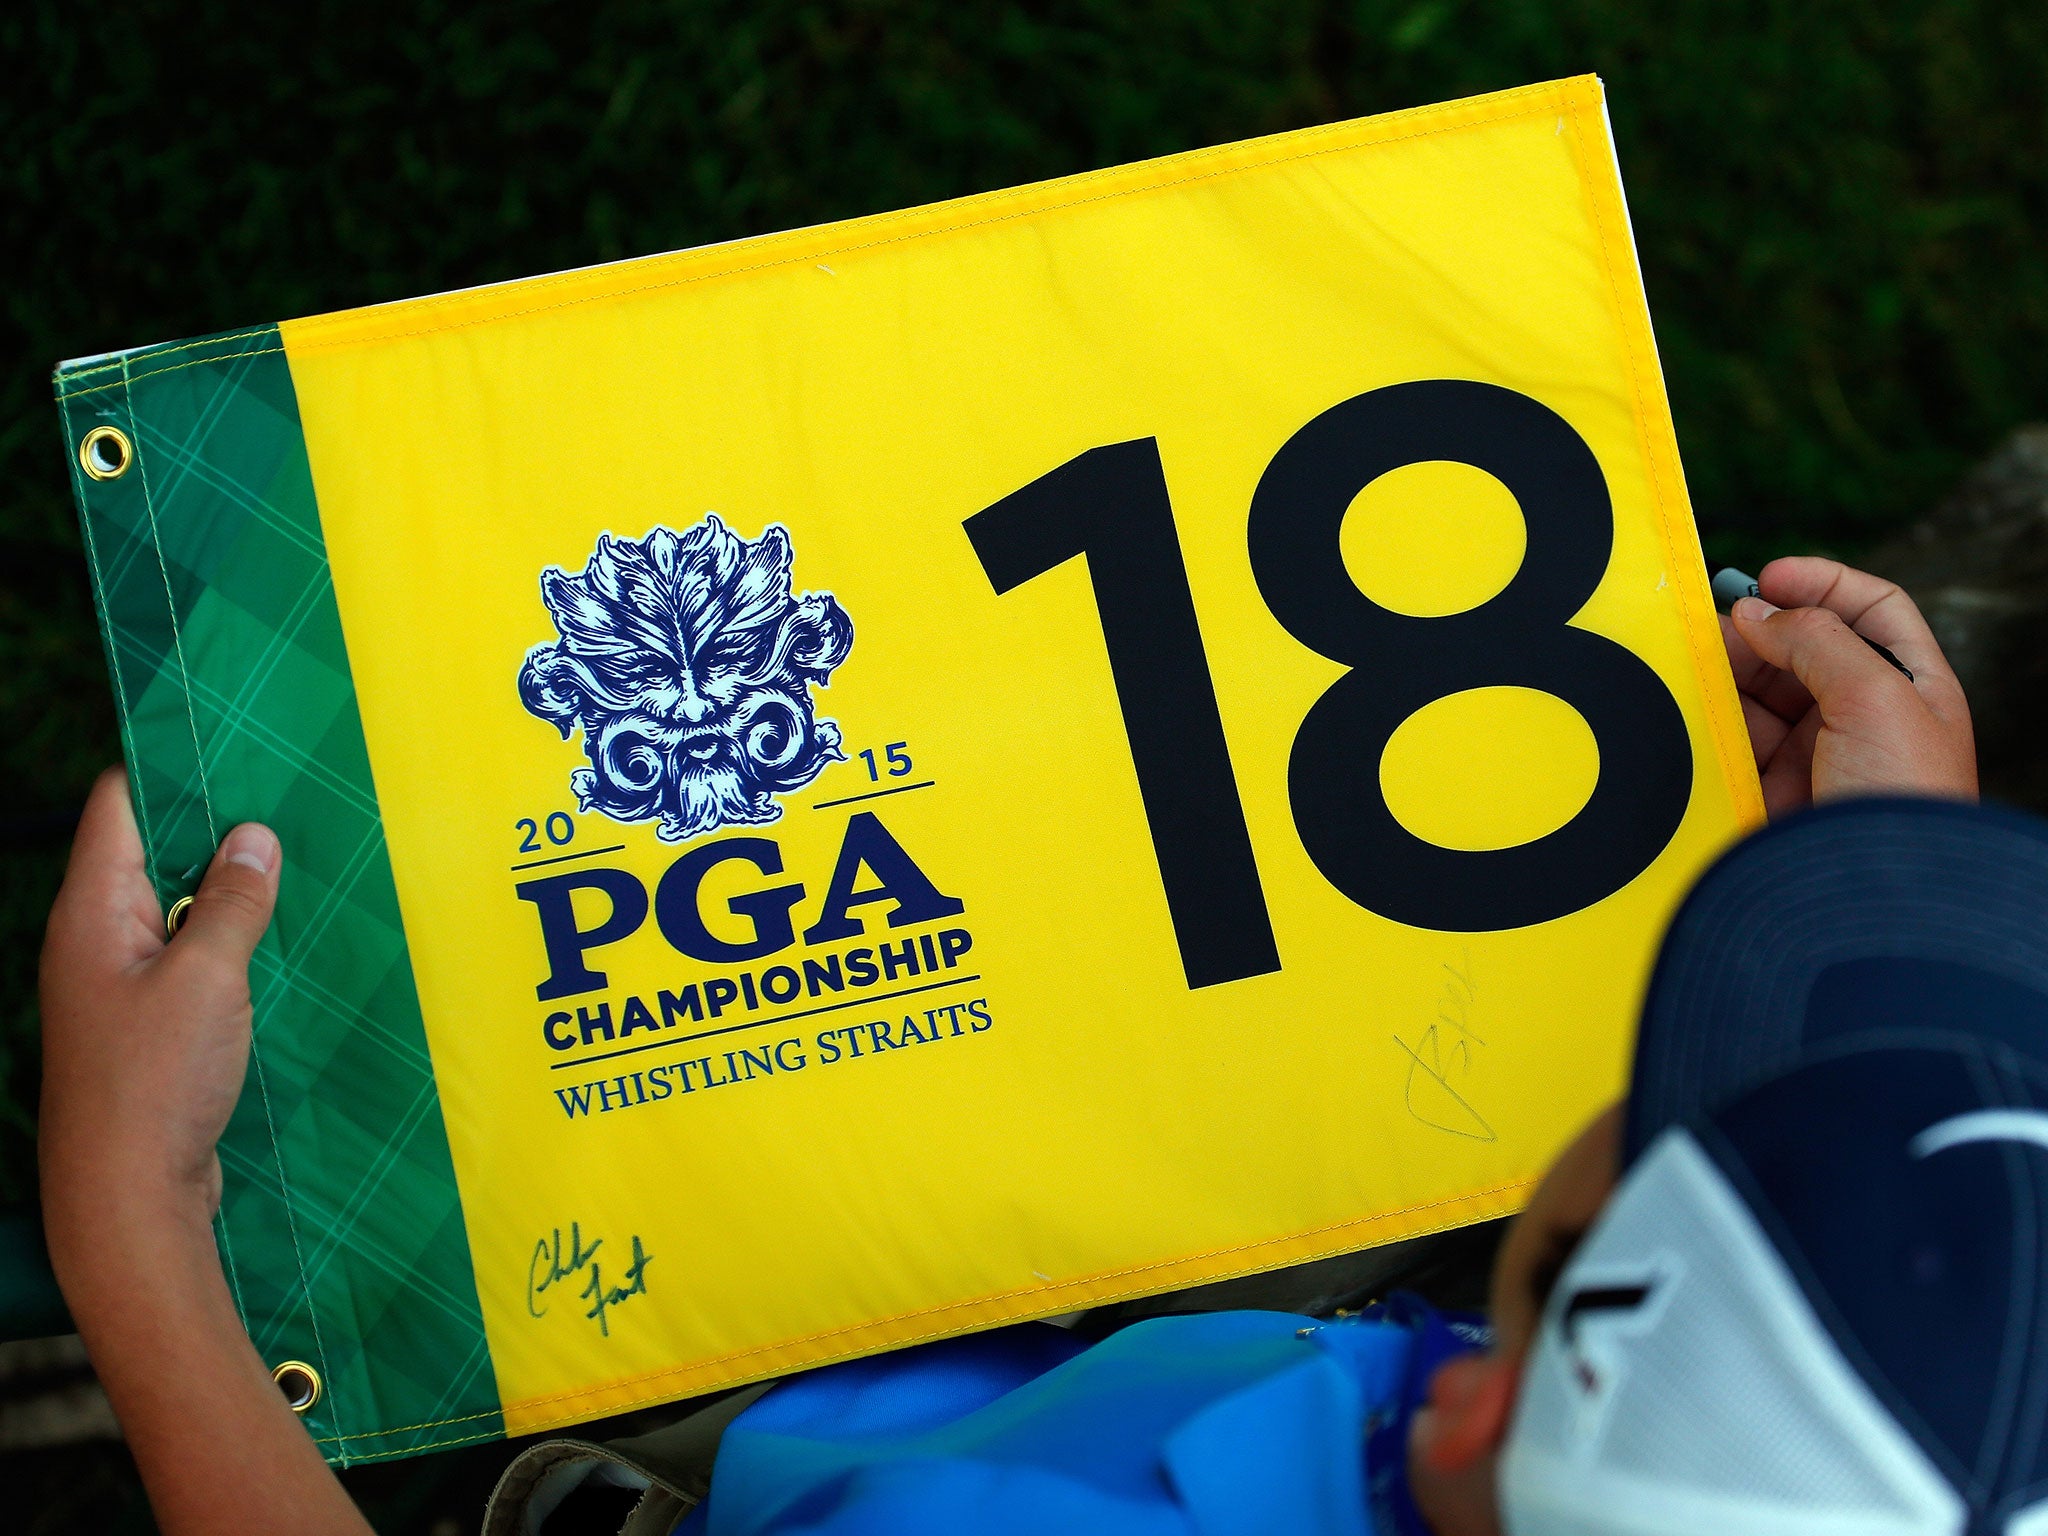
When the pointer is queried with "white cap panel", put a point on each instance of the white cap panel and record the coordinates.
(1697, 1392)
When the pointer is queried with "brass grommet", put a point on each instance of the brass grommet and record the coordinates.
(105, 453)
(175, 918)
(299, 1383)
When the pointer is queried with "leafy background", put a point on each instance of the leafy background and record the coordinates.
(1839, 205)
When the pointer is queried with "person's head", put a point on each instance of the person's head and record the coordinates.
(1798, 1281)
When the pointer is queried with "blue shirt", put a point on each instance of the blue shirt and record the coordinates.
(1217, 1424)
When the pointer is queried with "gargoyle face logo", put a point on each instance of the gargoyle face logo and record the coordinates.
(688, 665)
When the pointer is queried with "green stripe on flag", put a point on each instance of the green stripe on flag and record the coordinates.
(340, 1227)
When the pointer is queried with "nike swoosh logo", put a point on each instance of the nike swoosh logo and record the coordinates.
(2028, 1125)
(1606, 1298)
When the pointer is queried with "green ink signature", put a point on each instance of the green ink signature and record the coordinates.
(547, 1266)
(602, 1299)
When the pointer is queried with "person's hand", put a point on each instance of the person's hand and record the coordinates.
(145, 1042)
(1828, 717)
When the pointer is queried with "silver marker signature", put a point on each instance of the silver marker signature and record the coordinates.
(1442, 1058)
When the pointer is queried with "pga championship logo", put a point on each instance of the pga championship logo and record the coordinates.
(688, 664)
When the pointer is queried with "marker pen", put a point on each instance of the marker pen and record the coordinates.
(1730, 585)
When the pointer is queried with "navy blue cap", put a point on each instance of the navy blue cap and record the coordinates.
(1855, 924)
(1849, 1018)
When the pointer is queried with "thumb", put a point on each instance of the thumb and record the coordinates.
(232, 906)
(1831, 661)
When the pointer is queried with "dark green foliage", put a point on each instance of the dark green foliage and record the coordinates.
(1840, 208)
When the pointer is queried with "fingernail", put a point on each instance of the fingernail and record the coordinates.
(1752, 608)
(252, 846)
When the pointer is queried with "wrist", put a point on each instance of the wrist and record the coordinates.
(116, 1235)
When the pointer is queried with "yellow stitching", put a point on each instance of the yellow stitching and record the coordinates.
(462, 1387)
(150, 354)
(80, 373)
(1086, 177)
(401, 1429)
(197, 362)
(353, 1458)
(1624, 312)
(162, 351)
(525, 1404)
(951, 1306)
(310, 348)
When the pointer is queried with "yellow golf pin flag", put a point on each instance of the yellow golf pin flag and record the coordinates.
(873, 782)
